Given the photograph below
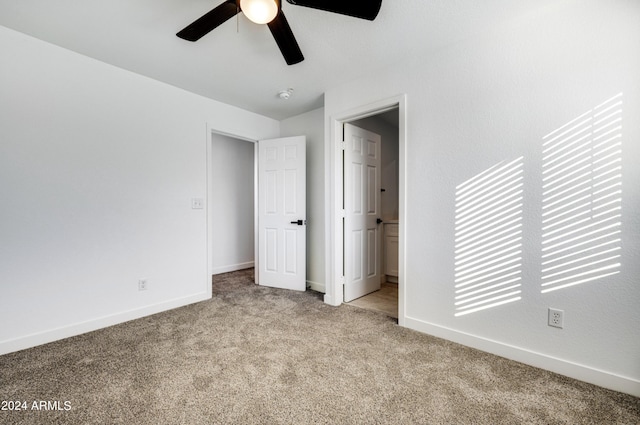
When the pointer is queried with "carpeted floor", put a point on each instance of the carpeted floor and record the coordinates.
(254, 355)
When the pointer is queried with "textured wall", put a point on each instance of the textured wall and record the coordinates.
(97, 170)
(309, 124)
(491, 101)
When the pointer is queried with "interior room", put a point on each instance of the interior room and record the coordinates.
(134, 172)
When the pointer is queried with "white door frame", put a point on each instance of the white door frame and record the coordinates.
(211, 132)
(334, 194)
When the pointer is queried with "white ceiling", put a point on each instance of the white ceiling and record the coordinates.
(239, 63)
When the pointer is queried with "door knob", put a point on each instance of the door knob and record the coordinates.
(299, 222)
(378, 220)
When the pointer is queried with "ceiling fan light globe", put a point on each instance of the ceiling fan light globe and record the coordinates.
(259, 11)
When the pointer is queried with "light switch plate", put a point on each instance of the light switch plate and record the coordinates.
(197, 203)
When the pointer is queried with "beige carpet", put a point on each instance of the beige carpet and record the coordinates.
(255, 355)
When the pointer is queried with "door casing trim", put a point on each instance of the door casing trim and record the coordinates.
(334, 253)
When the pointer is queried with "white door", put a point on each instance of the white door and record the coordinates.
(282, 213)
(362, 232)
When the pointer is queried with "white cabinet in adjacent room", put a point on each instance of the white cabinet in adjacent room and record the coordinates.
(391, 251)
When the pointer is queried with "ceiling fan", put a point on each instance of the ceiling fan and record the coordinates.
(270, 12)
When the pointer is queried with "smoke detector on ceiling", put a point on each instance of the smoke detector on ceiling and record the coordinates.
(285, 94)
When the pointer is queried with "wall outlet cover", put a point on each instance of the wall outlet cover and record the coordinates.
(143, 284)
(555, 318)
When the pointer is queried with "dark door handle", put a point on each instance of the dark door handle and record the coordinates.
(378, 220)
(298, 222)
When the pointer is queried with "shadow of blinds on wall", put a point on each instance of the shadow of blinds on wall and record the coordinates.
(581, 198)
(488, 238)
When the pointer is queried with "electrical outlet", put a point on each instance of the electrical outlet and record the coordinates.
(556, 318)
(143, 285)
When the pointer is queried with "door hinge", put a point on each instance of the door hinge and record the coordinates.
(343, 145)
(342, 214)
(342, 280)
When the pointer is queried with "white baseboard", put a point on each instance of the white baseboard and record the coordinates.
(232, 267)
(315, 286)
(56, 334)
(562, 367)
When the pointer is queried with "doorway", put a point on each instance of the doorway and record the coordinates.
(232, 182)
(242, 175)
(384, 295)
(335, 201)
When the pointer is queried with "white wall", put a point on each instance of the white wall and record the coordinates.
(232, 189)
(310, 124)
(493, 98)
(97, 170)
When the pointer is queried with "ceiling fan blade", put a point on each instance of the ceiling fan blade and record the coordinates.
(285, 39)
(359, 9)
(209, 21)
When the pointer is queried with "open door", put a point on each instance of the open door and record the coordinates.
(282, 213)
(362, 202)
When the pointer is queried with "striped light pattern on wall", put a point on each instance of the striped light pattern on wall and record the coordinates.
(581, 199)
(488, 238)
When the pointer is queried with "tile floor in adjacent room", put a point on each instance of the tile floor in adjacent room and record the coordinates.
(384, 300)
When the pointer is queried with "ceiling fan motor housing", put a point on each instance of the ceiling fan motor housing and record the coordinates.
(275, 19)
